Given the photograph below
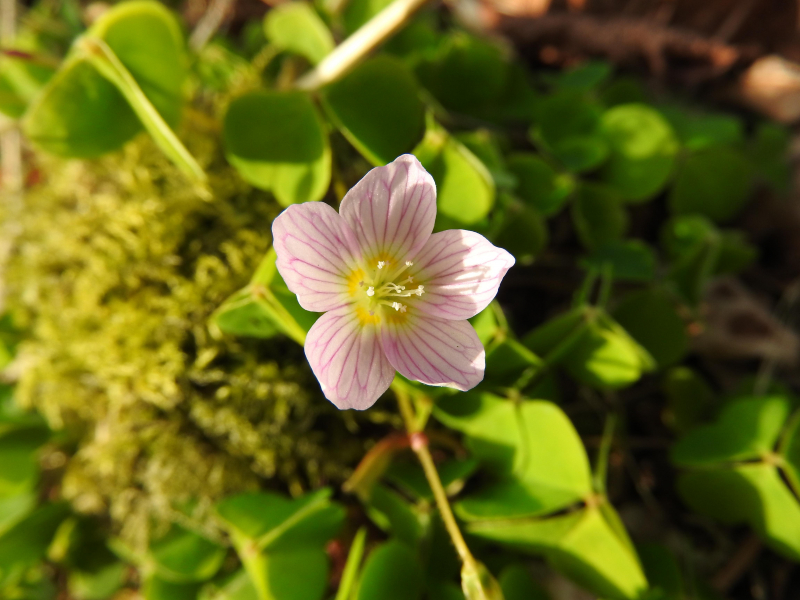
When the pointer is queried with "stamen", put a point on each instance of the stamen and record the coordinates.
(399, 307)
(370, 291)
(381, 264)
(409, 263)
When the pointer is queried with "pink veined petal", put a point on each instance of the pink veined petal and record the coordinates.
(461, 271)
(434, 351)
(316, 251)
(392, 210)
(347, 359)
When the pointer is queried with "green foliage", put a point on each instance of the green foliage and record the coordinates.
(598, 215)
(713, 181)
(360, 102)
(651, 319)
(21, 79)
(277, 142)
(466, 73)
(81, 113)
(154, 322)
(737, 468)
(643, 148)
(392, 572)
(592, 348)
(280, 541)
(296, 28)
(524, 507)
(538, 183)
(265, 307)
(465, 191)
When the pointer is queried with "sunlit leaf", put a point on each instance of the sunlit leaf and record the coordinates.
(513, 439)
(377, 107)
(643, 149)
(295, 27)
(277, 523)
(464, 188)
(580, 544)
(592, 347)
(82, 114)
(747, 493)
(747, 428)
(277, 142)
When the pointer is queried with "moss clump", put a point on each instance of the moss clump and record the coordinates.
(118, 267)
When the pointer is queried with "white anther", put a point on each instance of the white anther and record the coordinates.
(381, 264)
(370, 291)
(409, 263)
(419, 291)
(399, 307)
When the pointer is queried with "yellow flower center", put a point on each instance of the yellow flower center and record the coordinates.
(383, 283)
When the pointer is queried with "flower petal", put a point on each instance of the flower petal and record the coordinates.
(392, 210)
(346, 357)
(317, 252)
(461, 271)
(434, 351)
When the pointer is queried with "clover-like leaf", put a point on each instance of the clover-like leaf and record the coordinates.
(360, 102)
(643, 150)
(277, 142)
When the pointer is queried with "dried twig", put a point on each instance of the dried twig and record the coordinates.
(216, 13)
(627, 41)
(741, 561)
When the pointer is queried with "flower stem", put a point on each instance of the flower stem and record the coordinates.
(419, 444)
(362, 42)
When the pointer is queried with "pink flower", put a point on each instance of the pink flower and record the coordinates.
(395, 296)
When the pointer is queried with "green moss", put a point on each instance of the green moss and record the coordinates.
(118, 267)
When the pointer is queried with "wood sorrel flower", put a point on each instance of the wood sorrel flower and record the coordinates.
(395, 296)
